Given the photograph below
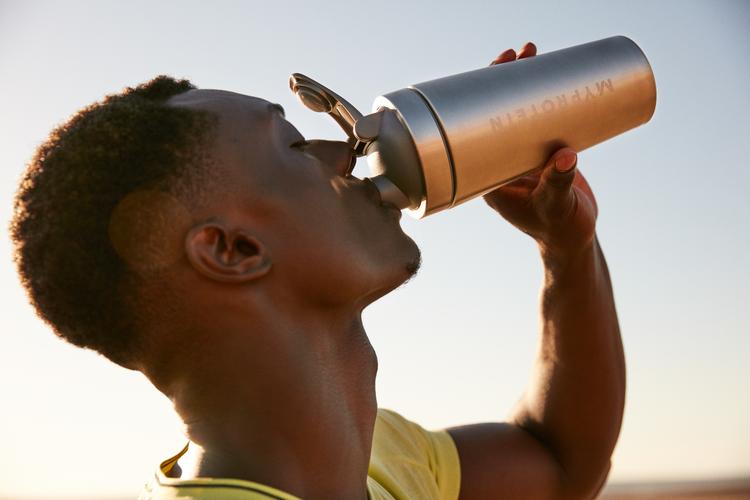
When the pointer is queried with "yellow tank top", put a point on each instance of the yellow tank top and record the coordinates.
(407, 462)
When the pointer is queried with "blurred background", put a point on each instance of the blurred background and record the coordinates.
(456, 344)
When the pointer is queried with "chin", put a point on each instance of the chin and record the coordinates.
(401, 271)
(412, 267)
(409, 265)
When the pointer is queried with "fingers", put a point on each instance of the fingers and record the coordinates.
(511, 201)
(555, 189)
(528, 50)
(507, 56)
(527, 182)
(564, 160)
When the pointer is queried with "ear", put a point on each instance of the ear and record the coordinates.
(231, 256)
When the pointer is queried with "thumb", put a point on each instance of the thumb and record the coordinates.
(554, 191)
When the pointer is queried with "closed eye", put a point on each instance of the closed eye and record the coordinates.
(302, 147)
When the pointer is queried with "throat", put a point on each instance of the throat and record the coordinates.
(295, 453)
(290, 410)
(291, 439)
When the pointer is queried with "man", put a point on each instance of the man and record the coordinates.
(195, 236)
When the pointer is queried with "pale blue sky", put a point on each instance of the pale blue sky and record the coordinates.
(456, 344)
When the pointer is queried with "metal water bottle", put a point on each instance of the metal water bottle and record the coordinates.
(434, 145)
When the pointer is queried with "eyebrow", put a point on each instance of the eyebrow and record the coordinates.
(277, 107)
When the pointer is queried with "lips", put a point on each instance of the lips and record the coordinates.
(374, 194)
(372, 191)
(391, 206)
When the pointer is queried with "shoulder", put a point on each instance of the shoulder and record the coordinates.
(394, 432)
(401, 447)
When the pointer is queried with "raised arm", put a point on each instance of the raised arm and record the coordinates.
(559, 439)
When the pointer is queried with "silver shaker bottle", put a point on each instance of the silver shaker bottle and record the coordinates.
(436, 144)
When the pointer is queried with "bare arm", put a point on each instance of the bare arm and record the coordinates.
(561, 435)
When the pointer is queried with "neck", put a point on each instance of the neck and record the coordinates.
(288, 405)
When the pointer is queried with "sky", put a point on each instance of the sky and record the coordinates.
(456, 344)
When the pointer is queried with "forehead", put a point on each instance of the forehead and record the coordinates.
(228, 106)
(249, 143)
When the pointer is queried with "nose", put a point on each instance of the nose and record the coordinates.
(336, 154)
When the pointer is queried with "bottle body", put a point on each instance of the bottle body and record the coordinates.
(448, 140)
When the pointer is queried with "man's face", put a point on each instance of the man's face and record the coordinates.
(329, 237)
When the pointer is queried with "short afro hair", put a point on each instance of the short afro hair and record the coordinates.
(129, 142)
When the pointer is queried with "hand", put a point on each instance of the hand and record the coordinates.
(555, 204)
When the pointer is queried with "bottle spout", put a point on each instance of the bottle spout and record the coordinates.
(389, 192)
(317, 97)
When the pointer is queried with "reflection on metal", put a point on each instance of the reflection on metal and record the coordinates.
(440, 143)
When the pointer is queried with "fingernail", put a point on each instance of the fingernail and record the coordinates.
(565, 162)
